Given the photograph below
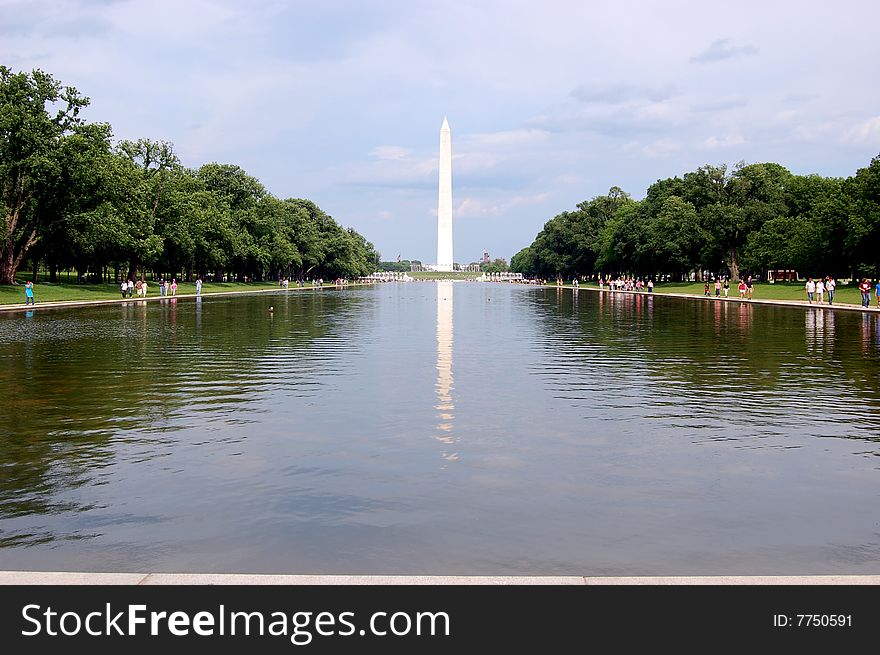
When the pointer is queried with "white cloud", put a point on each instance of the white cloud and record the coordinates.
(390, 152)
(478, 208)
(729, 141)
(723, 49)
(866, 133)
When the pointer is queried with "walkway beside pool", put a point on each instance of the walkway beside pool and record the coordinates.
(83, 578)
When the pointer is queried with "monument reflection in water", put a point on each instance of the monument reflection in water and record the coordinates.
(445, 403)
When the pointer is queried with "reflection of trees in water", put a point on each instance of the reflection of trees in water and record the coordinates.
(87, 377)
(746, 349)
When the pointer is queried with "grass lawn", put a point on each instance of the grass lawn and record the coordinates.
(46, 292)
(780, 291)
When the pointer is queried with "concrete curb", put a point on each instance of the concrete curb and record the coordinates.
(84, 578)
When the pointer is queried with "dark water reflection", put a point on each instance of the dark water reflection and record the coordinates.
(441, 428)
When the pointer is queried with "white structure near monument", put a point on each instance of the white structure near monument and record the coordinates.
(444, 205)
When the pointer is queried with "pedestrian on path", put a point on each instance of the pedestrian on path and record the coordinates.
(124, 288)
(173, 286)
(742, 289)
(651, 285)
(820, 290)
(726, 286)
(830, 285)
(811, 290)
(198, 286)
(130, 285)
(29, 293)
(865, 288)
(706, 289)
(717, 288)
(877, 292)
(749, 284)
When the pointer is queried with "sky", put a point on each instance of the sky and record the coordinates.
(550, 103)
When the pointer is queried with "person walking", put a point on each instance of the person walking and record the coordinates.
(717, 288)
(830, 285)
(820, 291)
(198, 286)
(810, 286)
(650, 285)
(138, 287)
(726, 287)
(865, 288)
(124, 288)
(173, 286)
(742, 289)
(130, 285)
(29, 293)
(706, 289)
(877, 292)
(144, 286)
(161, 287)
(749, 284)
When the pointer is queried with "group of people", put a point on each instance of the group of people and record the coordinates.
(166, 287)
(745, 287)
(627, 284)
(816, 290)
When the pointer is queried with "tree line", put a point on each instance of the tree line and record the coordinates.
(71, 198)
(747, 219)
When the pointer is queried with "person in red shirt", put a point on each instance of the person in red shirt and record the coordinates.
(742, 290)
(865, 288)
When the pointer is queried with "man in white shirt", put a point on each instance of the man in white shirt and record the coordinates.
(830, 285)
(811, 289)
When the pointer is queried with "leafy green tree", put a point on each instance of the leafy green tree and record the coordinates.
(674, 239)
(157, 170)
(523, 262)
(36, 112)
(497, 265)
(623, 242)
(863, 224)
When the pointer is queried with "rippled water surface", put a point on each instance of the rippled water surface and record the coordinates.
(441, 428)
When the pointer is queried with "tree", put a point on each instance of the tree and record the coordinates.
(157, 166)
(498, 265)
(29, 142)
(623, 241)
(863, 224)
(523, 262)
(674, 239)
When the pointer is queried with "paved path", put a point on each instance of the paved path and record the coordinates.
(83, 578)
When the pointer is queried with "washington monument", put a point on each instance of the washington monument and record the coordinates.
(444, 206)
